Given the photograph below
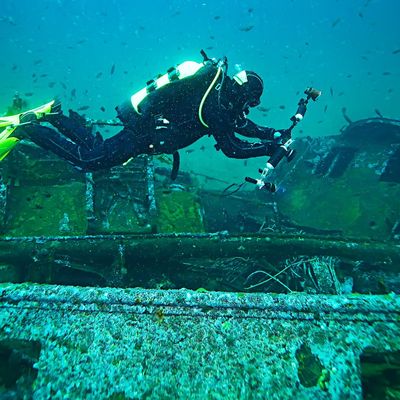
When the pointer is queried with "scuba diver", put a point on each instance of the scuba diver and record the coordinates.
(18, 104)
(171, 112)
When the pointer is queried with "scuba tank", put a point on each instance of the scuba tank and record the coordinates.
(184, 70)
(181, 71)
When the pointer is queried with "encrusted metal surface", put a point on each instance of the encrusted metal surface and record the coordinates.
(135, 343)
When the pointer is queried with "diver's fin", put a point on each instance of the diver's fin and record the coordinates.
(11, 122)
(6, 146)
(42, 110)
(7, 132)
(15, 119)
(175, 165)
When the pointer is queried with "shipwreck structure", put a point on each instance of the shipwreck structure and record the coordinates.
(123, 284)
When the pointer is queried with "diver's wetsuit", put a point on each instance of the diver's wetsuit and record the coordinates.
(168, 121)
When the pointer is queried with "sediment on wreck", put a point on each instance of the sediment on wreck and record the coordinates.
(292, 295)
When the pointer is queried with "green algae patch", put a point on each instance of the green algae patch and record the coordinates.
(310, 368)
(344, 204)
(179, 212)
(324, 206)
(46, 210)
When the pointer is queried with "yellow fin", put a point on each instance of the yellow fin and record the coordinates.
(6, 146)
(6, 132)
(10, 120)
(14, 119)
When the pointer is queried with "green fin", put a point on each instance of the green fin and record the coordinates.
(11, 122)
(6, 146)
(14, 119)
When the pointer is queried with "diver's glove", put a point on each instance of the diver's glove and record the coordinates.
(282, 135)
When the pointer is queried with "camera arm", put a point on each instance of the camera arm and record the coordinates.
(283, 149)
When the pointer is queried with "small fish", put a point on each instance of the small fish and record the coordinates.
(378, 113)
(43, 75)
(112, 69)
(361, 15)
(217, 17)
(98, 75)
(37, 62)
(73, 93)
(209, 47)
(282, 107)
(28, 94)
(212, 37)
(33, 75)
(14, 67)
(51, 84)
(63, 85)
(250, 10)
(202, 148)
(326, 107)
(397, 51)
(263, 109)
(188, 151)
(81, 41)
(102, 108)
(331, 90)
(246, 28)
(386, 73)
(8, 19)
(83, 108)
(335, 22)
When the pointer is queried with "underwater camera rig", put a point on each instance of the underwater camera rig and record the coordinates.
(283, 149)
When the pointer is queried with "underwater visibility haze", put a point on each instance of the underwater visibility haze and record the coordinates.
(175, 274)
(97, 53)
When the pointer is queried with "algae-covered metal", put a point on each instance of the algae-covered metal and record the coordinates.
(129, 343)
(349, 183)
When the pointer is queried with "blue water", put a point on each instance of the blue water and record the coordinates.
(345, 48)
